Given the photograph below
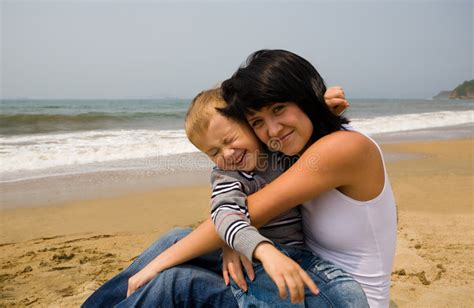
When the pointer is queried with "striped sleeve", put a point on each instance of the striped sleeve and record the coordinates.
(229, 211)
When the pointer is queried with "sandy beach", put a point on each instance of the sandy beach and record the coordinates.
(56, 255)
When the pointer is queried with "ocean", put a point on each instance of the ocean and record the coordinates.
(50, 137)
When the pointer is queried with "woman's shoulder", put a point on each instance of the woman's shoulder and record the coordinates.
(353, 160)
(345, 142)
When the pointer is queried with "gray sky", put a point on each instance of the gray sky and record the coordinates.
(137, 49)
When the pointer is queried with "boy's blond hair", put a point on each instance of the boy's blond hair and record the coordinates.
(200, 112)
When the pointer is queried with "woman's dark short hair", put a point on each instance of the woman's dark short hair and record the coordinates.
(271, 76)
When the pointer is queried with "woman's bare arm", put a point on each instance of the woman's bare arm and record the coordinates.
(323, 166)
(336, 160)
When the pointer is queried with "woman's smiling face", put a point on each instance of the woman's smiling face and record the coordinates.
(283, 127)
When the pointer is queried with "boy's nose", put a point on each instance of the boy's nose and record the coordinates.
(228, 153)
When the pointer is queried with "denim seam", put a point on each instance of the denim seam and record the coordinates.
(204, 303)
(326, 299)
(343, 274)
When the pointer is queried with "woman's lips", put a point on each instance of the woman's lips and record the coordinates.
(276, 143)
(286, 137)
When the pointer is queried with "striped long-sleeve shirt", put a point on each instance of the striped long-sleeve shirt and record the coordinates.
(230, 215)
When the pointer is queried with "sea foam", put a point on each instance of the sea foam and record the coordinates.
(34, 152)
(406, 122)
(42, 151)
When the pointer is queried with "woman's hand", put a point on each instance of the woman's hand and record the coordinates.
(284, 272)
(140, 279)
(232, 263)
(336, 100)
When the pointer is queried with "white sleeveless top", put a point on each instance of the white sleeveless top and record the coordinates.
(358, 236)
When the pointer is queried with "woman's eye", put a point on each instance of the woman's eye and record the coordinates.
(255, 123)
(278, 108)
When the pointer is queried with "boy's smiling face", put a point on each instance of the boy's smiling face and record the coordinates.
(230, 144)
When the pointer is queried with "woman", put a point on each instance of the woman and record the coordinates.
(197, 283)
(276, 91)
(349, 210)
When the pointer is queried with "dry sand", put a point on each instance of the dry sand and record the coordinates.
(435, 250)
(57, 255)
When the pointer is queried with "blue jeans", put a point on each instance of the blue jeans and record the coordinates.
(197, 283)
(336, 287)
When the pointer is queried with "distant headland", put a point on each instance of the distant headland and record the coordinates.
(463, 91)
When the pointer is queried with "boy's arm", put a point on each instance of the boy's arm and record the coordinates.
(229, 211)
(230, 215)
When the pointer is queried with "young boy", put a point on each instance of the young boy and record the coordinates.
(243, 166)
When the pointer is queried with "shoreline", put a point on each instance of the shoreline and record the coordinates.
(37, 193)
(462, 131)
(156, 173)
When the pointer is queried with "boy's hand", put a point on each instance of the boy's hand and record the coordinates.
(336, 100)
(232, 263)
(284, 272)
(140, 279)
